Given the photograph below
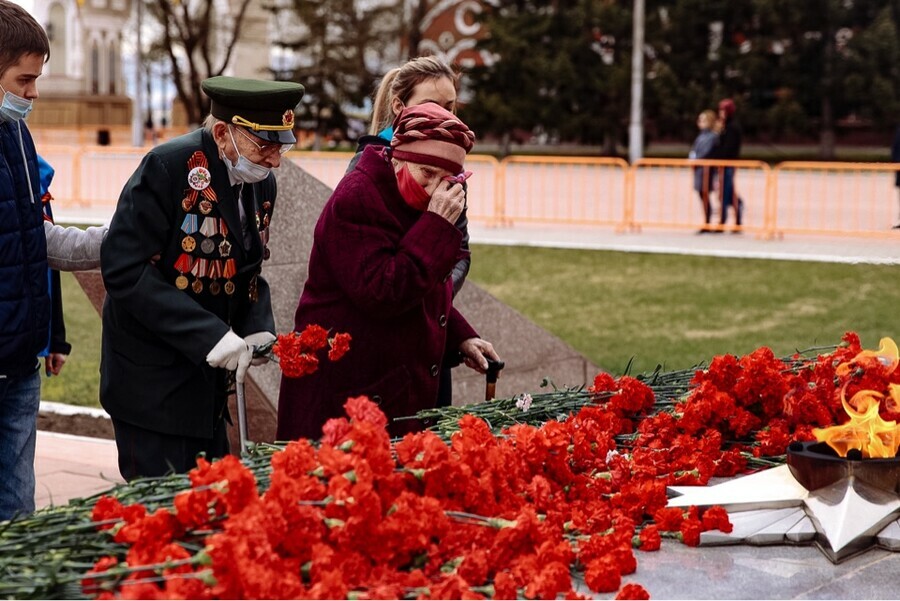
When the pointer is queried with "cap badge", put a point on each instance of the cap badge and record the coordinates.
(288, 118)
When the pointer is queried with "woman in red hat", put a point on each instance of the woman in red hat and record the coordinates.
(729, 150)
(383, 250)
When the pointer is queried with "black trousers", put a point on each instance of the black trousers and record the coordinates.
(445, 388)
(145, 453)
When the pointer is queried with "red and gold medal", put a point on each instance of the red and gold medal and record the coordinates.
(215, 272)
(182, 266)
(228, 272)
(200, 181)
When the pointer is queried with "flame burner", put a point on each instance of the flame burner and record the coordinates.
(816, 465)
(851, 499)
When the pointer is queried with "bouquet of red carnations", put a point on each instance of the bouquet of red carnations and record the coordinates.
(296, 352)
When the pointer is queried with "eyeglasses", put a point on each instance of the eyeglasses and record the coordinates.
(265, 149)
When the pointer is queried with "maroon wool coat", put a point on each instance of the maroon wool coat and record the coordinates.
(379, 271)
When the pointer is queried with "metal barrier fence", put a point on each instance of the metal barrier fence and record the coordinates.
(664, 194)
(853, 199)
(834, 198)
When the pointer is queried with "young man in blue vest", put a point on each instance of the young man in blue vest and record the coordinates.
(28, 246)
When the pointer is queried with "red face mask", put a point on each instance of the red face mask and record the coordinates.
(412, 191)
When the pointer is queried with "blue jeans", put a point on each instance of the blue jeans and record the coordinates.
(20, 399)
(728, 198)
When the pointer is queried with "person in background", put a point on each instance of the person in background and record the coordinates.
(419, 80)
(705, 147)
(29, 246)
(383, 251)
(895, 157)
(56, 353)
(729, 149)
(185, 303)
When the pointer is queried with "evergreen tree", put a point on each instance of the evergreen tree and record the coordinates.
(337, 46)
(550, 75)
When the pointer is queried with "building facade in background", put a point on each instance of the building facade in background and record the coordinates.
(84, 81)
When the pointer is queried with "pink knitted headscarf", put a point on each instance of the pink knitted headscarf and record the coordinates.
(430, 135)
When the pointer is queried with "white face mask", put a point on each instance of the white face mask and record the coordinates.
(244, 171)
(14, 108)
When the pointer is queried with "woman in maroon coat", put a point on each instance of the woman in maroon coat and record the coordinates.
(379, 270)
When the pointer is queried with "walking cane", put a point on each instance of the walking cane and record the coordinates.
(490, 386)
(242, 417)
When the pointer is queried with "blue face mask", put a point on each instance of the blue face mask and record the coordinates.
(245, 171)
(14, 108)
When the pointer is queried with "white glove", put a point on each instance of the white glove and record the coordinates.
(256, 340)
(232, 353)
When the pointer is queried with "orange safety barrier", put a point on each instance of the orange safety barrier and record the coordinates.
(329, 168)
(90, 176)
(107, 135)
(563, 190)
(854, 199)
(835, 198)
(663, 195)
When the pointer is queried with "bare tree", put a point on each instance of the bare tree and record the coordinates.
(199, 43)
(336, 50)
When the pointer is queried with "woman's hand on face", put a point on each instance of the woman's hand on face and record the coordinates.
(475, 353)
(448, 201)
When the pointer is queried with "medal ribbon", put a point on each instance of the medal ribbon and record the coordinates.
(189, 225)
(215, 269)
(210, 226)
(200, 268)
(184, 263)
(223, 228)
(198, 159)
(230, 269)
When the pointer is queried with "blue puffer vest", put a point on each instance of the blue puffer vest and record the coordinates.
(24, 299)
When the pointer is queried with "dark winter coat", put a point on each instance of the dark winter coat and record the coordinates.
(157, 328)
(379, 271)
(729, 141)
(24, 297)
(461, 269)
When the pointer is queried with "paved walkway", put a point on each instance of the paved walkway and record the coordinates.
(69, 467)
(880, 250)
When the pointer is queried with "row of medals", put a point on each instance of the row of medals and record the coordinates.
(188, 244)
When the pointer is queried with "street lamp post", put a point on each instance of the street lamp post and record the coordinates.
(636, 126)
(137, 123)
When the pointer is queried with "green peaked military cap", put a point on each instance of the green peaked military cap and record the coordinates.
(265, 108)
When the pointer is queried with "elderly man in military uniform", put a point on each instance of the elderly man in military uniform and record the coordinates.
(181, 263)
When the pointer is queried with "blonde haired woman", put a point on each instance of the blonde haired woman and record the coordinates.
(704, 177)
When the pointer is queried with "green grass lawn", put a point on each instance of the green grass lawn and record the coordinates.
(670, 310)
(79, 381)
(678, 311)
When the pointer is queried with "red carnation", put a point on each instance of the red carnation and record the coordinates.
(340, 344)
(633, 591)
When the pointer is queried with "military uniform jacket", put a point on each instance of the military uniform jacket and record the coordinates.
(177, 276)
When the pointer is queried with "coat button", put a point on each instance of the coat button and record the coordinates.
(442, 320)
(434, 370)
